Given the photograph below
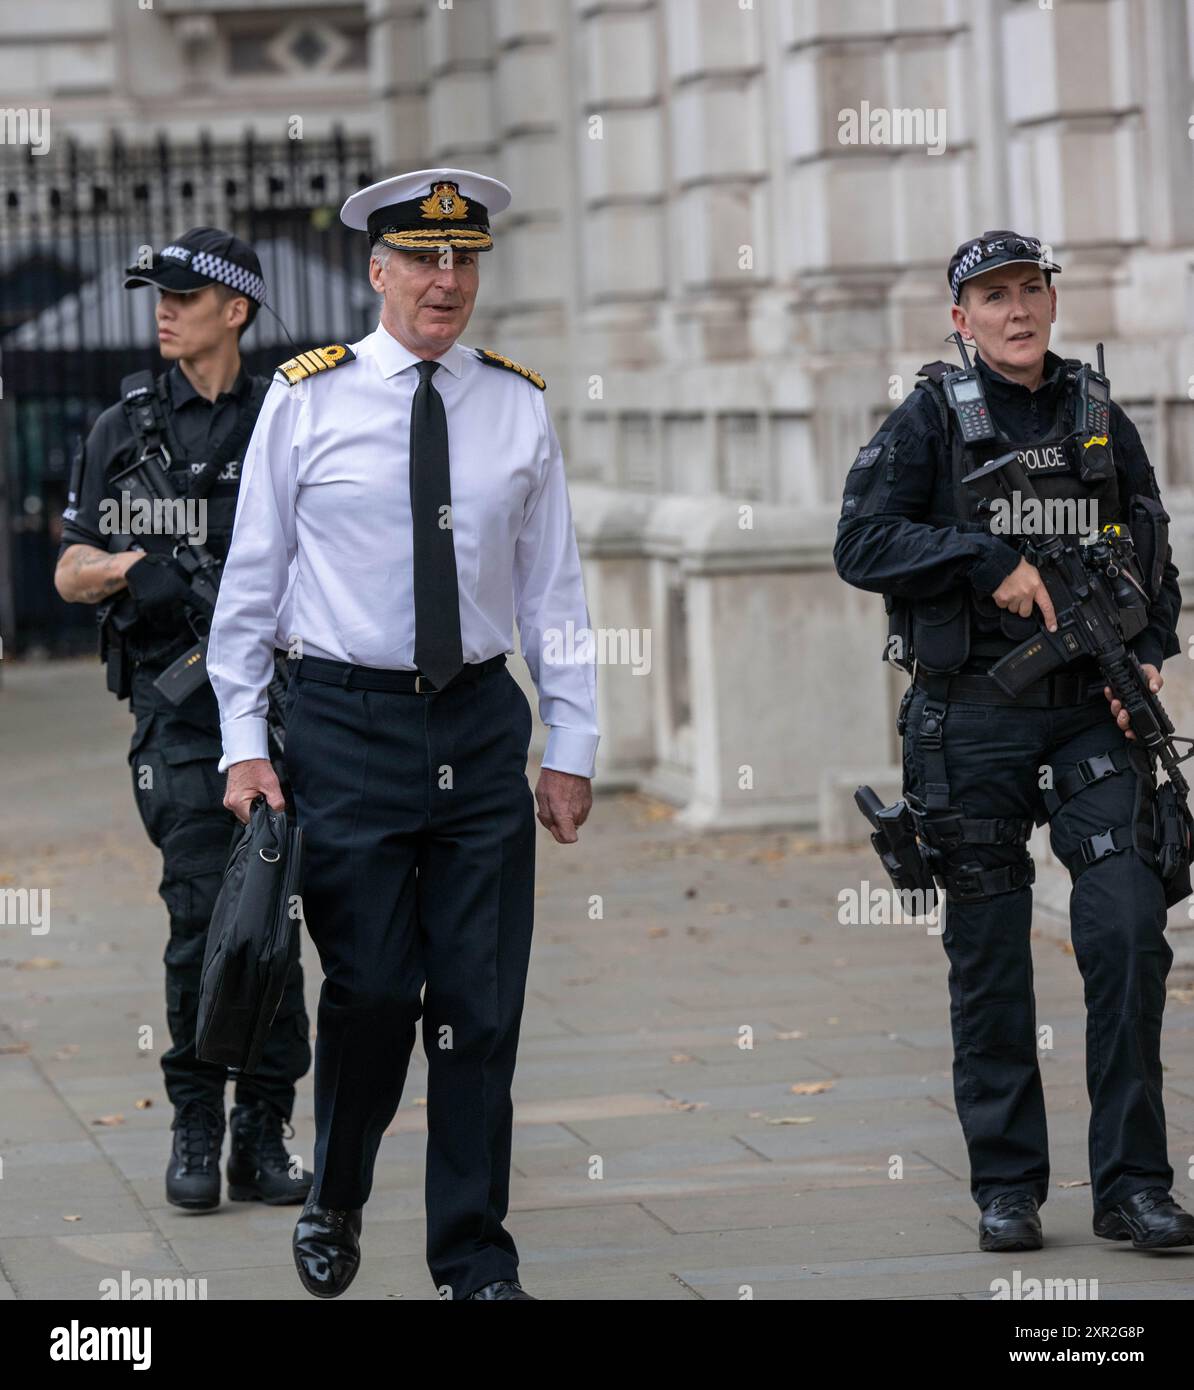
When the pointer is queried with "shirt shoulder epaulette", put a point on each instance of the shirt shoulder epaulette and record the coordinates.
(314, 360)
(495, 359)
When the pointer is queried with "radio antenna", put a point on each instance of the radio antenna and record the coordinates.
(957, 337)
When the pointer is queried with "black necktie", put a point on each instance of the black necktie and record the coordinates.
(438, 653)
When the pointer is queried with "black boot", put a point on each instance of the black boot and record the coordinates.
(1010, 1222)
(193, 1175)
(259, 1168)
(1151, 1220)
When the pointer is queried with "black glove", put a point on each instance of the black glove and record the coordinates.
(158, 586)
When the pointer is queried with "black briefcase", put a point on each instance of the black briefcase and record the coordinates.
(252, 939)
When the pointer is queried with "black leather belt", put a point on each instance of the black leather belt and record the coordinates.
(1060, 689)
(321, 668)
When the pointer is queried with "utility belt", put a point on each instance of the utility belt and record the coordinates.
(1054, 691)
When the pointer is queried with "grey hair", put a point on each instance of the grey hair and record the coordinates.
(381, 252)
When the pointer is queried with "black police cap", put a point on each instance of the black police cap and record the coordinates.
(203, 256)
(983, 253)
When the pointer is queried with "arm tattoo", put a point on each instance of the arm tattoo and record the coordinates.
(92, 568)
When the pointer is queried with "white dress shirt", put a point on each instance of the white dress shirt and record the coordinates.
(321, 550)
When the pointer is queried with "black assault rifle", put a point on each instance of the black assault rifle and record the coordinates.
(147, 481)
(1096, 585)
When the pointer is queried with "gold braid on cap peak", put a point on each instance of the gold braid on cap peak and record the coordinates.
(323, 359)
(495, 359)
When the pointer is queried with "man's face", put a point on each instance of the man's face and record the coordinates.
(190, 325)
(1008, 312)
(428, 296)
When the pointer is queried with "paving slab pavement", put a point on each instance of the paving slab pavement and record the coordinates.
(660, 1151)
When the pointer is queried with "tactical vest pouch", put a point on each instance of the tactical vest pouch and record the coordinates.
(941, 631)
(114, 653)
(1148, 522)
(117, 618)
(1173, 832)
(899, 650)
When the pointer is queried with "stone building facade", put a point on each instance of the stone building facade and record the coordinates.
(726, 254)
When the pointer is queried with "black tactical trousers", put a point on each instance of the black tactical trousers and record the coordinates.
(174, 755)
(996, 759)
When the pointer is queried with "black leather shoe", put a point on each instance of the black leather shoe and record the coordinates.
(327, 1251)
(1010, 1222)
(193, 1174)
(258, 1164)
(504, 1288)
(1151, 1220)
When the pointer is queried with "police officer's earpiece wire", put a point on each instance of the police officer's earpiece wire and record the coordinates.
(281, 325)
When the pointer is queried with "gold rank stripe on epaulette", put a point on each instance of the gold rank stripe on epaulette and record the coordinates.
(314, 360)
(495, 359)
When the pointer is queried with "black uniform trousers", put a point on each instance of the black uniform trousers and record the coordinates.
(419, 840)
(995, 758)
(174, 758)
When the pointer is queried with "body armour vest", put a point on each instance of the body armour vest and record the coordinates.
(961, 630)
(214, 481)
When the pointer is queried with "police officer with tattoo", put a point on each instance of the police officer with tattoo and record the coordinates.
(981, 766)
(124, 558)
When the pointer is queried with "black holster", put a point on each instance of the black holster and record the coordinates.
(895, 842)
(1174, 830)
(115, 618)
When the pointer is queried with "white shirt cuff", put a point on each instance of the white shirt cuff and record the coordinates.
(570, 751)
(243, 738)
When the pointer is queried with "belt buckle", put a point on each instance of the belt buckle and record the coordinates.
(419, 687)
(1094, 769)
(1095, 847)
(966, 883)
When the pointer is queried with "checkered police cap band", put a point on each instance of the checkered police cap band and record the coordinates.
(217, 268)
(972, 257)
(1003, 249)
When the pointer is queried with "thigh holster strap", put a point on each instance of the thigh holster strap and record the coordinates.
(936, 784)
(950, 832)
(1096, 847)
(970, 883)
(1085, 774)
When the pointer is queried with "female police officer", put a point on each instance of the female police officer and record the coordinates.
(981, 765)
(210, 286)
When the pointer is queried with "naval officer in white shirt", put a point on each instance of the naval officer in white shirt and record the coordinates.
(403, 502)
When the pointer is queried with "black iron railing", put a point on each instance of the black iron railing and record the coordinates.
(70, 221)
